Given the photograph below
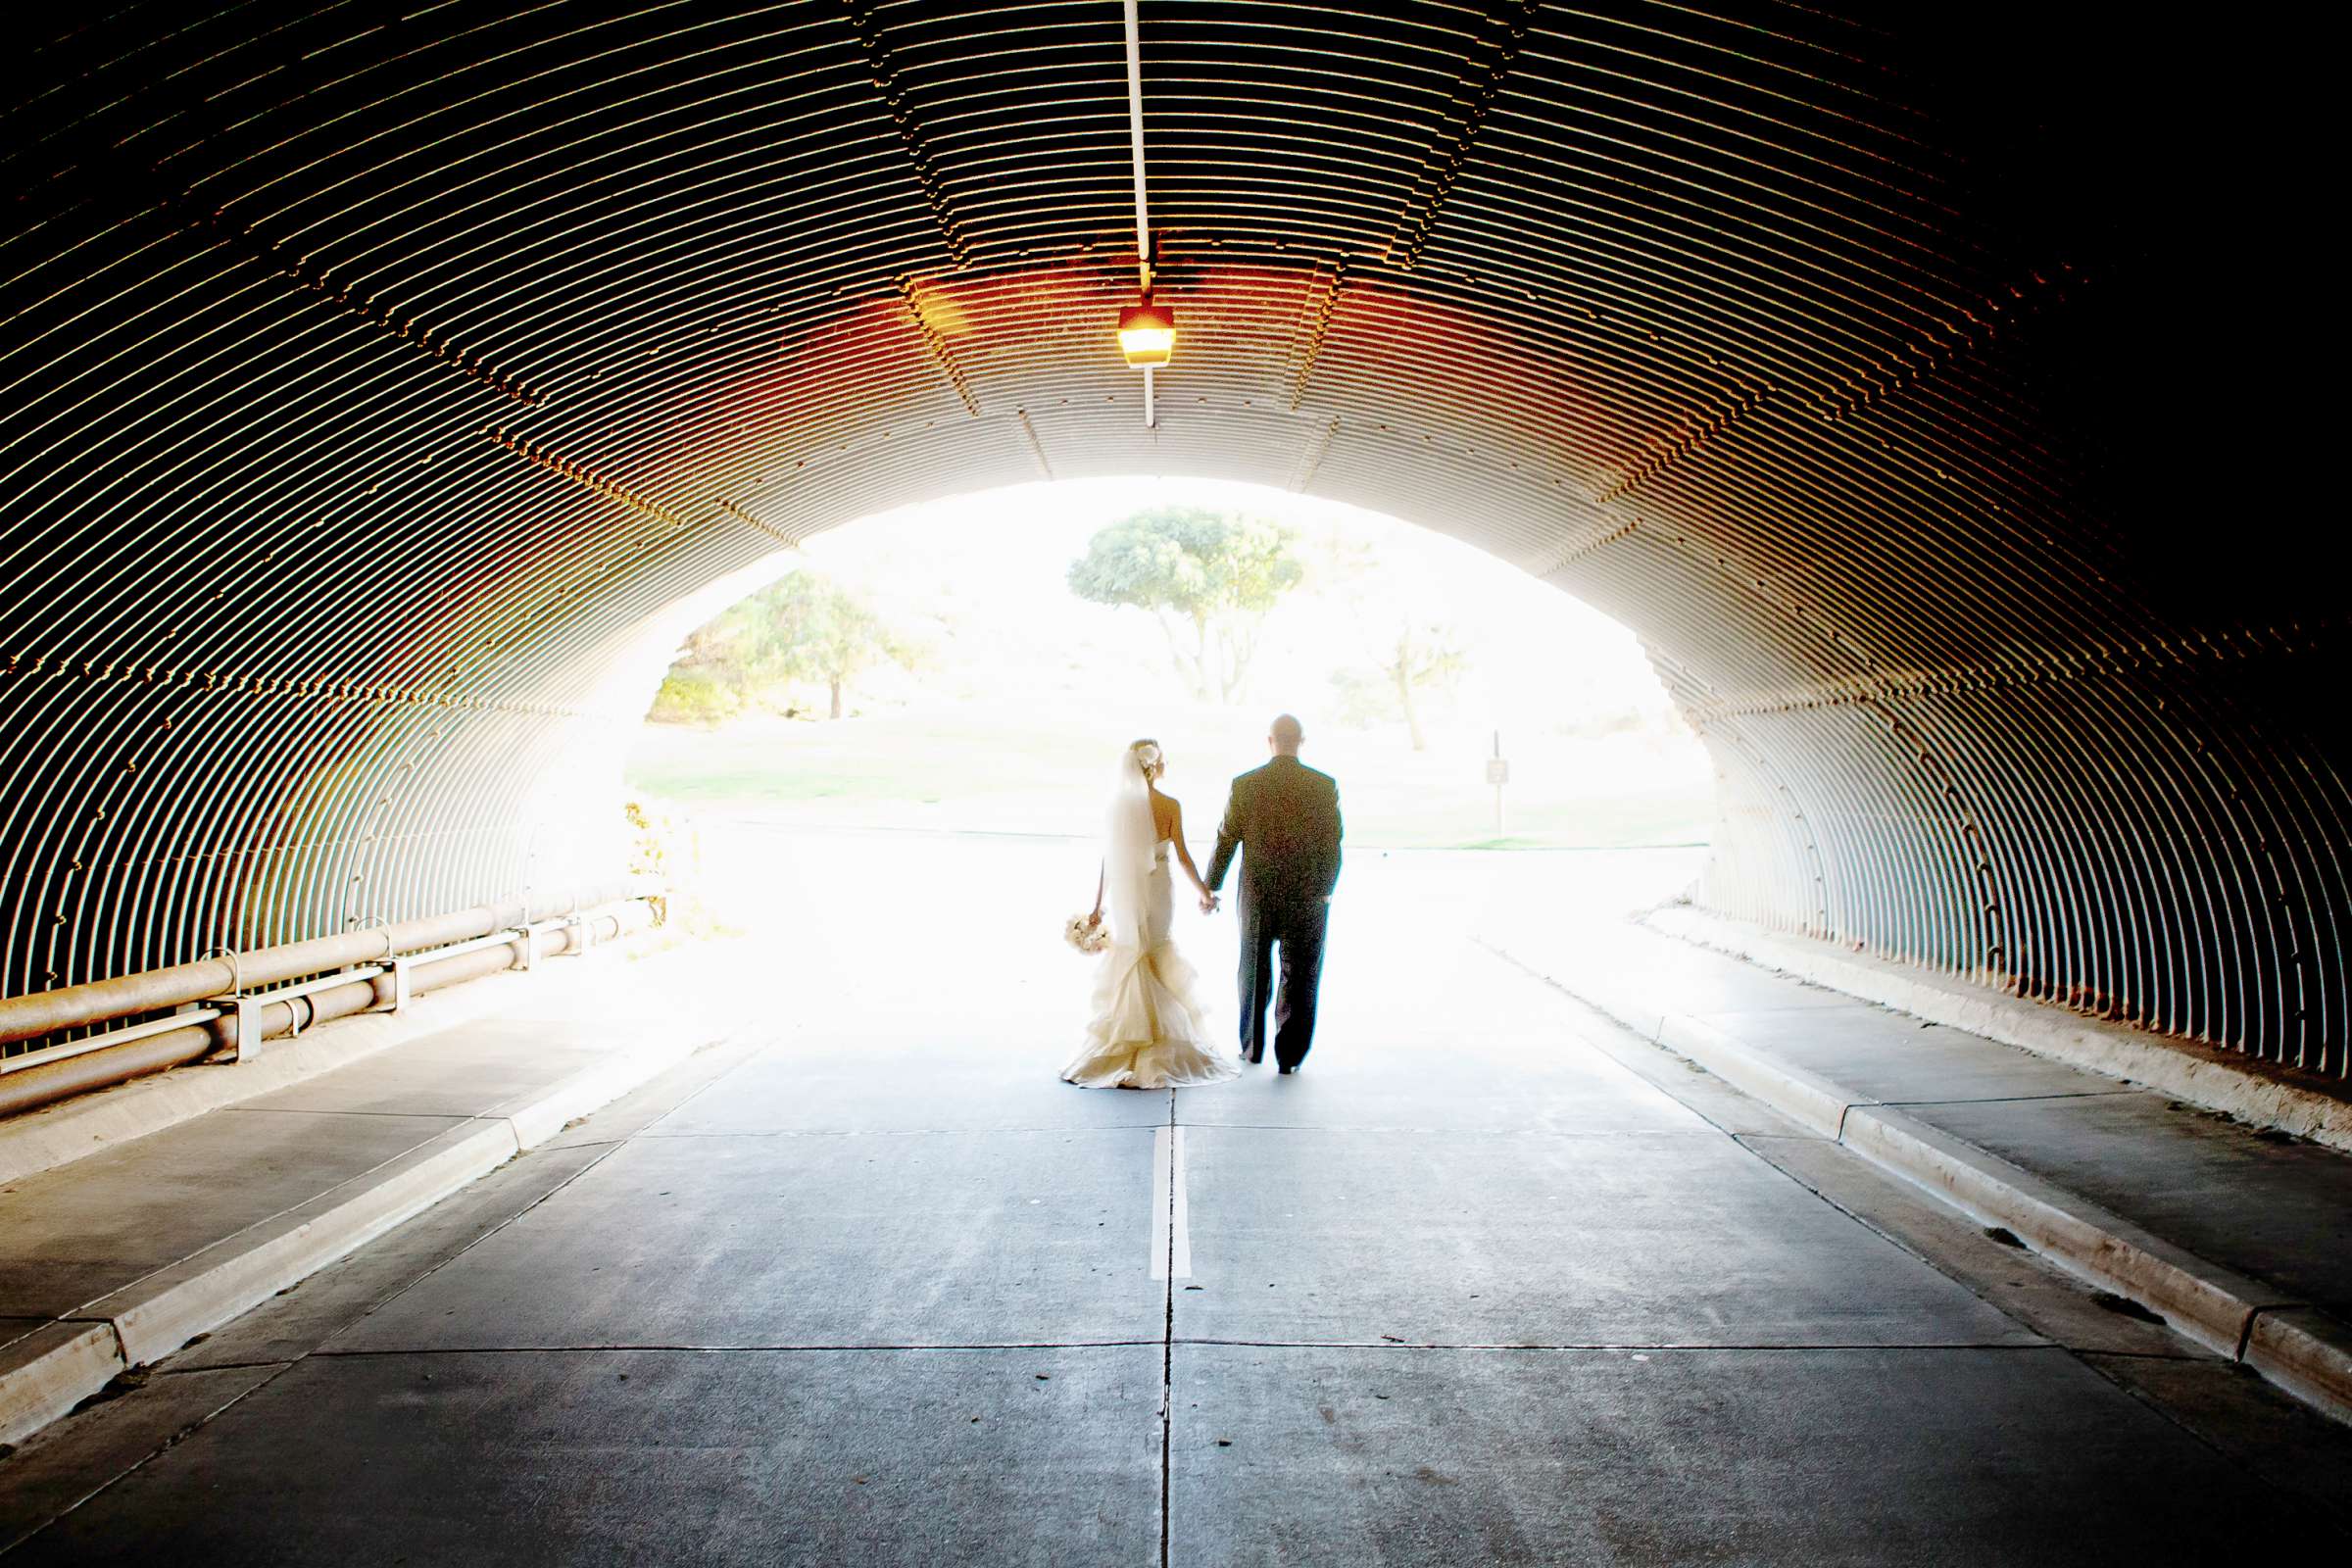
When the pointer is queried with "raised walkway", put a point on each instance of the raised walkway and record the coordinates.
(2239, 1236)
(137, 1219)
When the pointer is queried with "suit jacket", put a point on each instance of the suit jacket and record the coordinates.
(1285, 819)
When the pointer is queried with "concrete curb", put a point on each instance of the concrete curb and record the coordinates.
(165, 1310)
(52, 1369)
(1809, 1100)
(46, 1373)
(2186, 1069)
(2211, 1305)
(2304, 1350)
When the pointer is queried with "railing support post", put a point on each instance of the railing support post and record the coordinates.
(397, 969)
(246, 1043)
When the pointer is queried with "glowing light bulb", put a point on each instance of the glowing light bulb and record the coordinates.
(1146, 335)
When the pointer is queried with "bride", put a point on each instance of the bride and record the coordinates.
(1150, 1024)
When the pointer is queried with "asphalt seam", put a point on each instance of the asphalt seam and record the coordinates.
(1167, 1356)
(1155, 1342)
(1678, 1348)
(451, 1116)
(2010, 1099)
(898, 1132)
(1465, 1130)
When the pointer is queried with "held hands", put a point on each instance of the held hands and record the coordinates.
(1211, 904)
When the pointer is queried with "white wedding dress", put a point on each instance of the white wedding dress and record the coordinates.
(1149, 1028)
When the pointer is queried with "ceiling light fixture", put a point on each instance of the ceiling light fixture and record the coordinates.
(1146, 332)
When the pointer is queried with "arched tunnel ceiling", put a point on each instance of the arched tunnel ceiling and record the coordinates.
(370, 372)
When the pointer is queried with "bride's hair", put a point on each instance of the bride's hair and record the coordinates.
(1147, 753)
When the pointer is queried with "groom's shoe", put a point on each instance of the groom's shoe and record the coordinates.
(1287, 1068)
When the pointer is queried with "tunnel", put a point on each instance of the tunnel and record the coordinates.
(373, 378)
(1938, 392)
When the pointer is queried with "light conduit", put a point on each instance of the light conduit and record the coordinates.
(369, 376)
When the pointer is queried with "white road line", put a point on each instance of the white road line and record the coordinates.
(1171, 1231)
(1179, 1220)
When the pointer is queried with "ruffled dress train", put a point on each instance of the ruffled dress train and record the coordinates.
(1149, 1028)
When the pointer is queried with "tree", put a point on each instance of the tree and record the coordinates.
(1422, 655)
(1405, 648)
(801, 628)
(834, 636)
(1208, 578)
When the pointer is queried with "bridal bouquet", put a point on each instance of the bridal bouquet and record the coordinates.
(1087, 936)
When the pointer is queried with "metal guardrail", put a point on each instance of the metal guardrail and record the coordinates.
(275, 992)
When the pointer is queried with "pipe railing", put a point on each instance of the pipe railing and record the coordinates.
(47, 1012)
(188, 1011)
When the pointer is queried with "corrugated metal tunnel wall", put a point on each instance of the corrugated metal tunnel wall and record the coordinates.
(370, 372)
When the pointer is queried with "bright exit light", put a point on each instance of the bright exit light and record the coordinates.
(1147, 335)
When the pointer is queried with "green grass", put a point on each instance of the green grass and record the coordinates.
(1005, 768)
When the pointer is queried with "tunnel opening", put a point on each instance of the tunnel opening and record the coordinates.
(976, 665)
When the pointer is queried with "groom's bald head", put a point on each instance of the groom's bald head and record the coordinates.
(1285, 734)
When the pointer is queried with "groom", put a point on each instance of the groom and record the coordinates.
(1285, 819)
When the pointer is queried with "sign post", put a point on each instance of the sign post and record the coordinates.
(1499, 773)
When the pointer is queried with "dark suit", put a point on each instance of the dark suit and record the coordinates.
(1285, 820)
